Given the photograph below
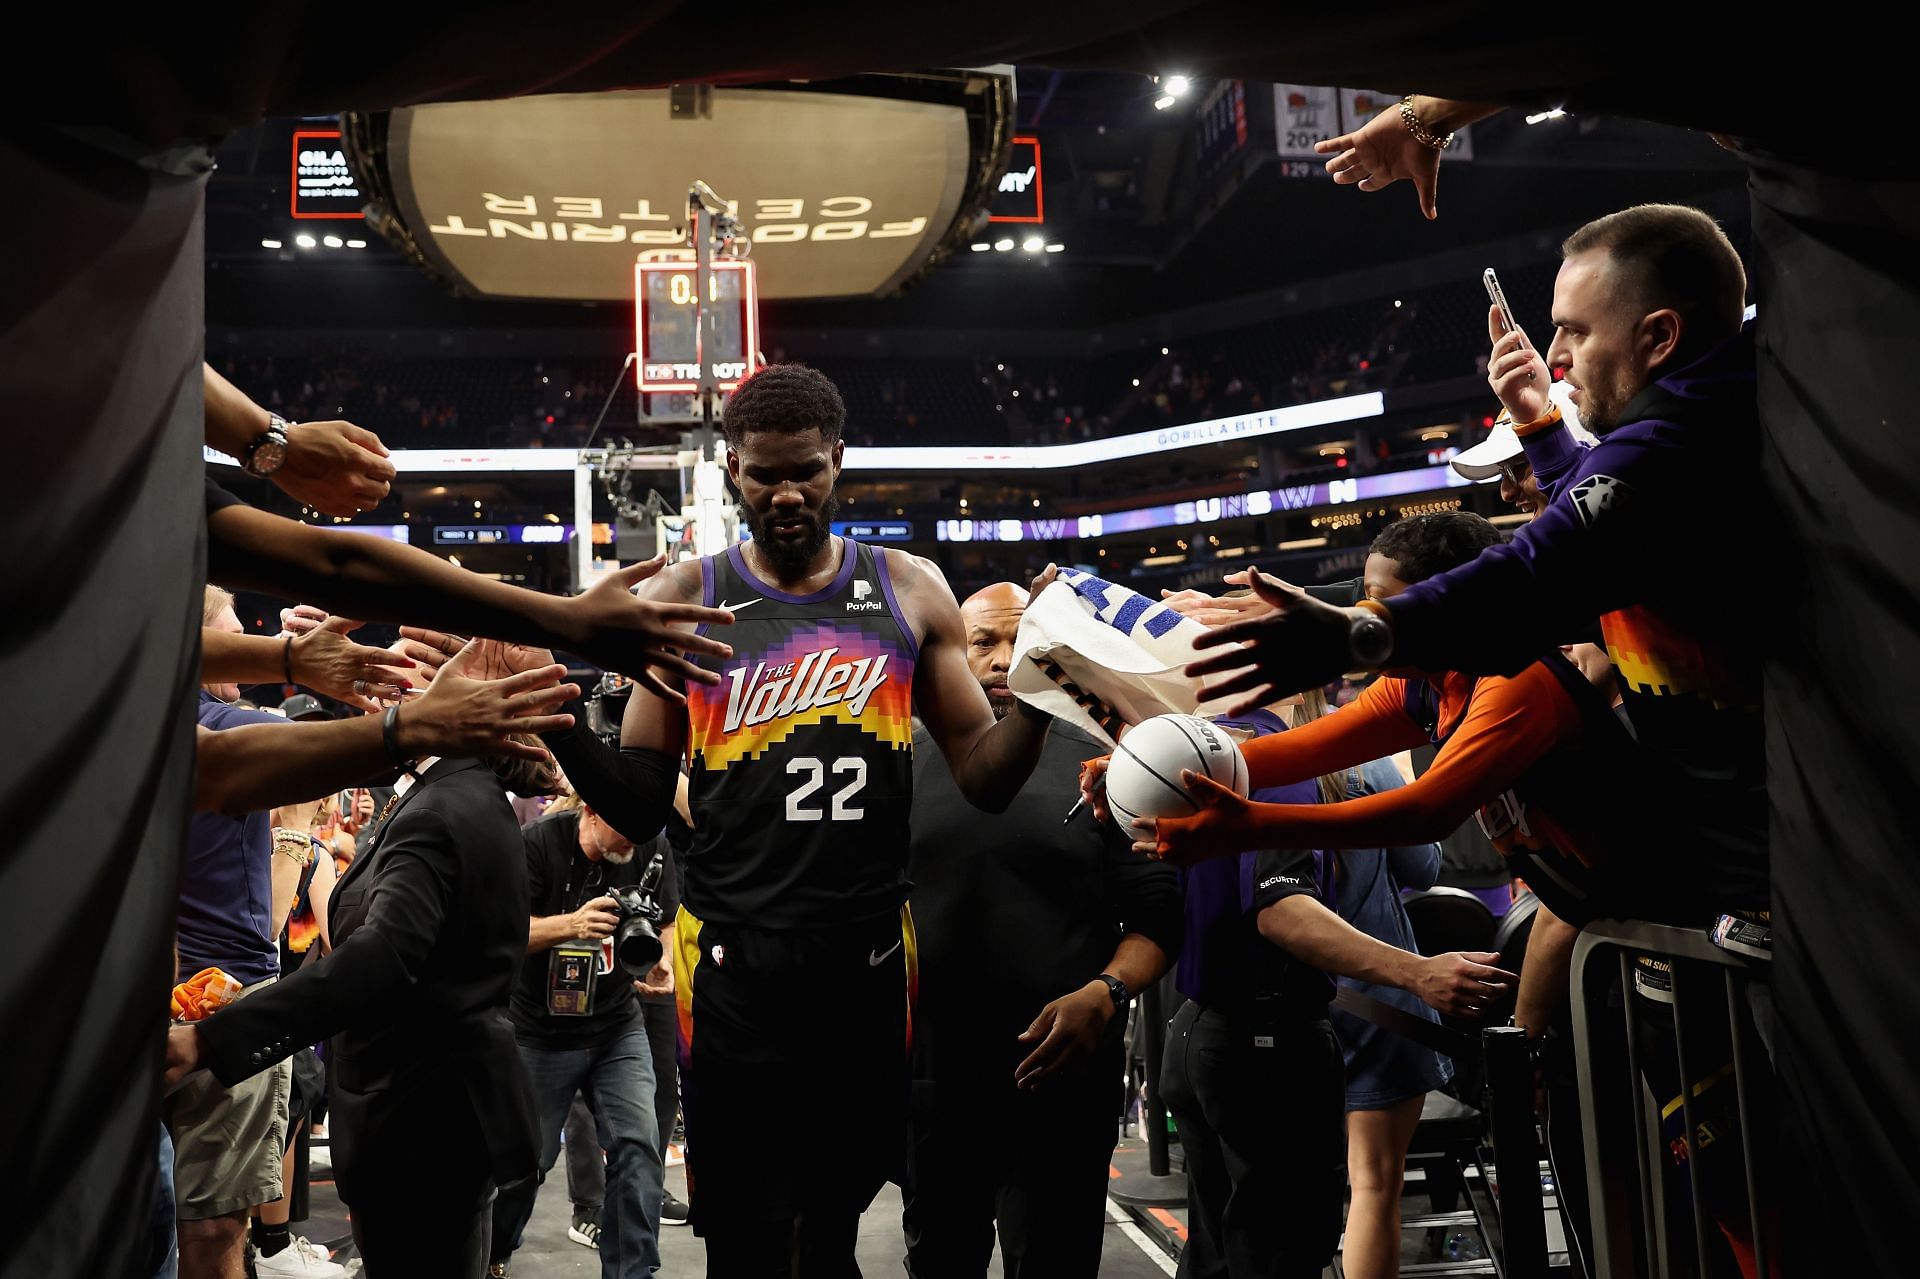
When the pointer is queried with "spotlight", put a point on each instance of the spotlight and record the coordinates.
(334, 242)
(1056, 248)
(1162, 102)
(356, 244)
(1540, 117)
(1177, 85)
(1002, 246)
(1163, 350)
(305, 241)
(1136, 381)
(1033, 244)
(980, 246)
(269, 244)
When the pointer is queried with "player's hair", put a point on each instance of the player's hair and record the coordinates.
(1424, 545)
(1672, 255)
(216, 598)
(785, 397)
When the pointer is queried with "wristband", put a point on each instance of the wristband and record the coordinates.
(389, 735)
(286, 659)
(1545, 420)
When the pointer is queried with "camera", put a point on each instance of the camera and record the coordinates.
(636, 939)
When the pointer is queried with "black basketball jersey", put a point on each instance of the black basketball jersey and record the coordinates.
(801, 758)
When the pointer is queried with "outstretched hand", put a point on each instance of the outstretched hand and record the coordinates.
(1298, 643)
(1217, 610)
(325, 660)
(1221, 823)
(1382, 152)
(614, 628)
(335, 467)
(496, 660)
(466, 716)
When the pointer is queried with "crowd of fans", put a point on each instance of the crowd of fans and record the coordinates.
(391, 883)
(553, 402)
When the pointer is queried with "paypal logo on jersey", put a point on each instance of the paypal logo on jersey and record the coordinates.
(860, 603)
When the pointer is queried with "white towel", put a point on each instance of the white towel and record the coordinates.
(1104, 657)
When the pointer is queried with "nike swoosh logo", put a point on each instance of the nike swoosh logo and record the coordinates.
(879, 957)
(743, 604)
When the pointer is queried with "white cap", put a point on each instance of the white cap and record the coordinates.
(1483, 460)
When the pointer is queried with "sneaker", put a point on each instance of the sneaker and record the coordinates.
(584, 1231)
(496, 1270)
(300, 1259)
(672, 1211)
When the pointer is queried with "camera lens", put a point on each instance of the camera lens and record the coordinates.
(636, 944)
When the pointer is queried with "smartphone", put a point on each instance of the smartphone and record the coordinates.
(1498, 297)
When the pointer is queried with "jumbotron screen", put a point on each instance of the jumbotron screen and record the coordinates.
(556, 196)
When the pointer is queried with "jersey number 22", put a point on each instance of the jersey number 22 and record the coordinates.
(814, 775)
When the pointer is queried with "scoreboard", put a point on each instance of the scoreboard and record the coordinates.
(667, 340)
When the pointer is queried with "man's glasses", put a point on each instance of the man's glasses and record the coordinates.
(1516, 469)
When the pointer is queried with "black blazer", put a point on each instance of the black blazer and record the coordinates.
(429, 927)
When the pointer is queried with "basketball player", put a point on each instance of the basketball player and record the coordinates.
(794, 950)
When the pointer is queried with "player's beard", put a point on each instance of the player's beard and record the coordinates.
(791, 557)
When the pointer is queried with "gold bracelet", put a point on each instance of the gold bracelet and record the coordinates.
(293, 845)
(1421, 133)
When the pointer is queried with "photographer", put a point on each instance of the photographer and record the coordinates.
(594, 944)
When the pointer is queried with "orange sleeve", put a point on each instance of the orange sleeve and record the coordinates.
(1372, 726)
(1511, 723)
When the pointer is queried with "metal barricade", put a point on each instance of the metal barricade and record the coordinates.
(1632, 1233)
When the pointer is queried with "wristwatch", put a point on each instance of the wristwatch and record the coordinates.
(1118, 989)
(267, 452)
(1370, 635)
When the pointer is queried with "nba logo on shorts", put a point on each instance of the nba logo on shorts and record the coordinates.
(861, 604)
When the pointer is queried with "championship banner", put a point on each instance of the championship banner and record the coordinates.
(1104, 657)
(1304, 114)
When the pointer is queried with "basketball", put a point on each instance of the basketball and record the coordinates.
(1144, 778)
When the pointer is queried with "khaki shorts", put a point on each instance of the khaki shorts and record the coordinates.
(228, 1142)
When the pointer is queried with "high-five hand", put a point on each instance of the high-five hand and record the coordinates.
(466, 717)
(613, 628)
(325, 660)
(1300, 643)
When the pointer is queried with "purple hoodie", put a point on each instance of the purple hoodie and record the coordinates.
(1653, 530)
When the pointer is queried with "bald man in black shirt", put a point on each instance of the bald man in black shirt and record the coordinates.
(1021, 915)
